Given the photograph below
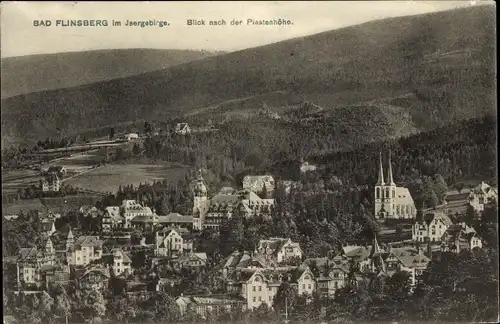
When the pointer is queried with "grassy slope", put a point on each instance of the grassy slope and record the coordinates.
(378, 61)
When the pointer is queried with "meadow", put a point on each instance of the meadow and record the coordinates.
(109, 177)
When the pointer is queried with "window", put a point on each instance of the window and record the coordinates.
(336, 284)
(387, 194)
(254, 299)
(260, 288)
(253, 288)
(378, 193)
(309, 286)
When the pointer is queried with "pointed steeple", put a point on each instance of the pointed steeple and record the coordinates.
(375, 246)
(390, 180)
(380, 181)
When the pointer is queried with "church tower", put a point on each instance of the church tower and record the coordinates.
(390, 190)
(200, 201)
(380, 208)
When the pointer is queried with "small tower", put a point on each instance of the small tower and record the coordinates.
(200, 201)
(49, 247)
(70, 240)
(390, 190)
(379, 192)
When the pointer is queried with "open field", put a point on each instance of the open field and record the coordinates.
(109, 177)
(18, 179)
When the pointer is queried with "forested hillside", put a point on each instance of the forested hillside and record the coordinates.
(436, 67)
(34, 73)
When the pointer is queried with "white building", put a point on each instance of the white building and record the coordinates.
(261, 286)
(85, 250)
(481, 195)
(432, 226)
(131, 209)
(182, 129)
(170, 241)
(131, 136)
(391, 201)
(51, 183)
(212, 213)
(122, 265)
(306, 167)
(278, 250)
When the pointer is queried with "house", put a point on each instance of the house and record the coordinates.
(96, 277)
(333, 274)
(192, 260)
(48, 226)
(261, 286)
(32, 262)
(203, 305)
(131, 136)
(182, 129)
(112, 219)
(391, 201)
(57, 170)
(306, 167)
(256, 183)
(119, 262)
(51, 183)
(89, 211)
(131, 209)
(242, 260)
(431, 227)
(406, 259)
(456, 203)
(172, 241)
(85, 250)
(481, 195)
(212, 213)
(278, 250)
(460, 237)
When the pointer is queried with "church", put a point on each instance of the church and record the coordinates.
(391, 201)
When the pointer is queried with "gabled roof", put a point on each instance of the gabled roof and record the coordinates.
(180, 230)
(439, 216)
(56, 168)
(81, 273)
(125, 257)
(175, 218)
(192, 256)
(275, 244)
(88, 241)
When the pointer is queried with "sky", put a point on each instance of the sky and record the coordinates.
(19, 37)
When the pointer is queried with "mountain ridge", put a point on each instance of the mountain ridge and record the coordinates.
(42, 72)
(391, 57)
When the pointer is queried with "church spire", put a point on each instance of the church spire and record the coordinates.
(380, 181)
(390, 180)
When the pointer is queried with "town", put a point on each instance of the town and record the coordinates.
(308, 166)
(130, 250)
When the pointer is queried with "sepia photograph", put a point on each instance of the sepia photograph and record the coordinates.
(326, 162)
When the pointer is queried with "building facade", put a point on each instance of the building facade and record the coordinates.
(85, 250)
(431, 227)
(391, 201)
